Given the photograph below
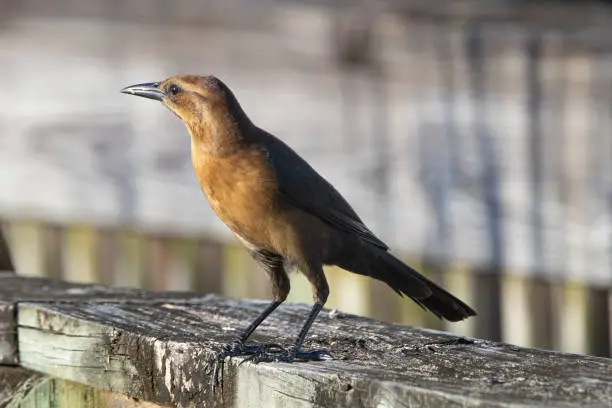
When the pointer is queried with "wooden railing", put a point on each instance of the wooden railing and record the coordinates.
(98, 347)
(561, 315)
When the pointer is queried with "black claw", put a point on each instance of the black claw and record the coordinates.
(250, 350)
(288, 356)
(267, 357)
(268, 353)
(313, 355)
(242, 349)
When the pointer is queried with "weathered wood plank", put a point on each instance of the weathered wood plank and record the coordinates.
(164, 353)
(54, 393)
(21, 388)
(14, 289)
(8, 334)
(16, 382)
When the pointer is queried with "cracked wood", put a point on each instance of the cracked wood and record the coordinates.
(14, 289)
(164, 353)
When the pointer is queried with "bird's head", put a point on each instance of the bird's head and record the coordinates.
(190, 97)
(204, 103)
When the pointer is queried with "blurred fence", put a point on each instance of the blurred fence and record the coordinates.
(475, 137)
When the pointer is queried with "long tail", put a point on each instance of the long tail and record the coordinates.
(383, 266)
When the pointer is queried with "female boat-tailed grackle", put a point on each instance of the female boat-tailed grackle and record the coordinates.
(281, 209)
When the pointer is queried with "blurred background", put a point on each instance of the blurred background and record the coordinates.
(475, 137)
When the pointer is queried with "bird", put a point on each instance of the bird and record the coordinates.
(282, 210)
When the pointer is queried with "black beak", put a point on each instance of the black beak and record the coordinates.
(150, 90)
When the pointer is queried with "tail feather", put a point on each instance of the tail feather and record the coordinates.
(406, 281)
(439, 302)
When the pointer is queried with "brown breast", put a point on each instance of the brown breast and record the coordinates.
(242, 191)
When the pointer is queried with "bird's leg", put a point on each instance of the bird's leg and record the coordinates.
(249, 330)
(295, 351)
(240, 347)
(274, 266)
(321, 291)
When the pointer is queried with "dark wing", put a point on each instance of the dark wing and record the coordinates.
(303, 187)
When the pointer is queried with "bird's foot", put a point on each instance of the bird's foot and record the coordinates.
(289, 356)
(241, 349)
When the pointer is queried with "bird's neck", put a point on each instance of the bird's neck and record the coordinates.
(222, 135)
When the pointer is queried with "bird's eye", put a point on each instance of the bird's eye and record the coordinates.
(174, 90)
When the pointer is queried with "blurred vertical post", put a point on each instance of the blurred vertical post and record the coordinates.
(355, 43)
(538, 293)
(607, 65)
(448, 145)
(437, 151)
(451, 172)
(118, 163)
(534, 98)
(572, 296)
(52, 241)
(359, 65)
(352, 36)
(380, 146)
(488, 291)
(6, 264)
(599, 178)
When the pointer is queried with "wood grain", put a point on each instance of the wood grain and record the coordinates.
(16, 382)
(14, 289)
(164, 353)
(21, 388)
